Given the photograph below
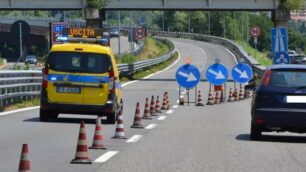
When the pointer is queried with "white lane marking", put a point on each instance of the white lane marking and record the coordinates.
(134, 139)
(162, 118)
(151, 126)
(170, 111)
(205, 59)
(179, 57)
(19, 110)
(106, 156)
(175, 106)
(235, 58)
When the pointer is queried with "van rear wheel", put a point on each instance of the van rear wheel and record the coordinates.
(43, 115)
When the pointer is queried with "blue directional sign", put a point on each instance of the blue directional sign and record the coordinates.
(242, 73)
(57, 31)
(281, 58)
(217, 74)
(279, 40)
(142, 21)
(188, 76)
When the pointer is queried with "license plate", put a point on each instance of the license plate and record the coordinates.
(75, 90)
(296, 99)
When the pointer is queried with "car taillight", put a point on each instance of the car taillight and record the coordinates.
(259, 121)
(111, 81)
(45, 73)
(266, 78)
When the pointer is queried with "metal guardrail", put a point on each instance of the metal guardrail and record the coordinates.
(16, 86)
(233, 47)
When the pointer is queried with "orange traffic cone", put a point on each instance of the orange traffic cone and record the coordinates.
(119, 134)
(81, 156)
(98, 136)
(210, 100)
(199, 100)
(241, 95)
(157, 107)
(152, 107)
(230, 97)
(164, 105)
(137, 118)
(217, 98)
(236, 95)
(168, 102)
(24, 164)
(146, 113)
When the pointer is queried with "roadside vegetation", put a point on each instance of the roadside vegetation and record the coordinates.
(22, 104)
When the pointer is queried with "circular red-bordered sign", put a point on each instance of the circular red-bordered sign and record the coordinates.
(255, 31)
(139, 33)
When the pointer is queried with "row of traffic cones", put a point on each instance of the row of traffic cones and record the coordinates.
(150, 111)
(82, 155)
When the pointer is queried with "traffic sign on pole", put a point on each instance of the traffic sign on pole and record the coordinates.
(242, 73)
(279, 40)
(255, 31)
(217, 74)
(57, 30)
(281, 58)
(139, 33)
(188, 76)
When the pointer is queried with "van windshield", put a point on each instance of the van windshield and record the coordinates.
(79, 62)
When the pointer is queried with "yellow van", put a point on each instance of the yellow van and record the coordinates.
(80, 78)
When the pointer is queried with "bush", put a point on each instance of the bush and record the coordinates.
(128, 58)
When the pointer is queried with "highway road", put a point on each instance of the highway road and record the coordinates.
(184, 138)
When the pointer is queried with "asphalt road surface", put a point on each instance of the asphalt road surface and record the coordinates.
(185, 138)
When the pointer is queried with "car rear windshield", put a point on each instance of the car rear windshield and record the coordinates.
(288, 78)
(79, 62)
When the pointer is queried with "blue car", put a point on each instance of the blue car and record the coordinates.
(279, 103)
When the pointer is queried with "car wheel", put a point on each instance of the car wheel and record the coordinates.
(255, 132)
(43, 115)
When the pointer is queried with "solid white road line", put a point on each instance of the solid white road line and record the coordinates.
(19, 110)
(151, 126)
(175, 106)
(134, 139)
(170, 111)
(162, 118)
(106, 156)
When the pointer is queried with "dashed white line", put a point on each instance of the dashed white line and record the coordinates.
(151, 126)
(175, 106)
(170, 111)
(134, 139)
(106, 156)
(162, 118)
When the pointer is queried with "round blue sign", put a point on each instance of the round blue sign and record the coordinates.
(217, 74)
(188, 76)
(242, 73)
(281, 58)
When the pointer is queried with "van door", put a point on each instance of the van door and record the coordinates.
(65, 77)
(97, 70)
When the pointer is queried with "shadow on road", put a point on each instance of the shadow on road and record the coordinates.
(273, 138)
(64, 120)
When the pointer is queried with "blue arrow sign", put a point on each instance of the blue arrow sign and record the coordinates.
(242, 73)
(216, 74)
(188, 76)
(281, 58)
(279, 40)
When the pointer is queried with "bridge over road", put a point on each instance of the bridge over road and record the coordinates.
(148, 4)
